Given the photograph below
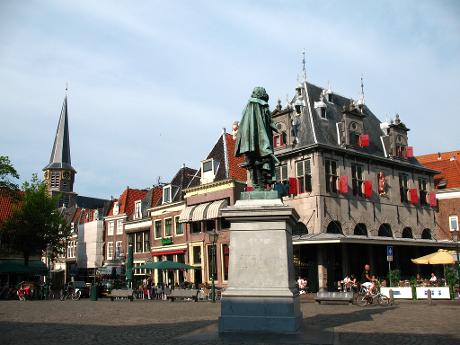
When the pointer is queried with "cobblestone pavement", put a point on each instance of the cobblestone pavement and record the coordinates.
(146, 322)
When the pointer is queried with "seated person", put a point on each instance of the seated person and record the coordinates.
(419, 279)
(353, 283)
(433, 279)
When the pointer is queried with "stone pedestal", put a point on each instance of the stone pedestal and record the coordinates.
(261, 295)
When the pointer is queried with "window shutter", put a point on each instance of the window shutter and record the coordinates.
(409, 152)
(292, 185)
(367, 189)
(343, 187)
(364, 140)
(431, 199)
(413, 196)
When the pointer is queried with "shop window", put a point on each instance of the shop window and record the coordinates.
(331, 176)
(403, 186)
(357, 179)
(197, 255)
(303, 175)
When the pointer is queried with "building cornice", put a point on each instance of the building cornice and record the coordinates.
(210, 187)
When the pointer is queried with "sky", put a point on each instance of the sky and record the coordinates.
(151, 84)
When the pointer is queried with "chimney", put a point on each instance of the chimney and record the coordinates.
(439, 156)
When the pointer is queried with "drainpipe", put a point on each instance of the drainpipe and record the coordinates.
(224, 140)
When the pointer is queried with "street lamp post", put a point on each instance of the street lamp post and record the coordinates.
(213, 238)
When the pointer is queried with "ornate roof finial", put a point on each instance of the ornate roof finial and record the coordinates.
(304, 69)
(362, 88)
(66, 88)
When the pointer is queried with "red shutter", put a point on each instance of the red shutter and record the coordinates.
(431, 199)
(367, 189)
(413, 196)
(292, 185)
(343, 184)
(364, 140)
(409, 152)
(274, 142)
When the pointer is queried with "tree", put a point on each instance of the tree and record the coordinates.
(7, 173)
(36, 225)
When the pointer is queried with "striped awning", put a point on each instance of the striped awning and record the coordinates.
(199, 213)
(214, 210)
(186, 214)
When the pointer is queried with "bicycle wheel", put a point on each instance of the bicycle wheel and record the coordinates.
(383, 300)
(362, 300)
(76, 295)
(62, 295)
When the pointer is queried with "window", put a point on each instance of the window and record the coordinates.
(279, 139)
(131, 239)
(111, 228)
(119, 227)
(212, 261)
(354, 134)
(146, 241)
(166, 194)
(118, 249)
(195, 227)
(168, 227)
(207, 166)
(178, 226)
(138, 210)
(224, 223)
(422, 183)
(281, 172)
(110, 250)
(331, 176)
(139, 242)
(139, 271)
(303, 174)
(357, 179)
(453, 223)
(158, 229)
(116, 208)
(197, 255)
(71, 249)
(403, 178)
(55, 179)
(210, 225)
(226, 257)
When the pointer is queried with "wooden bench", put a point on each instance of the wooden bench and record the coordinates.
(183, 294)
(121, 294)
(336, 297)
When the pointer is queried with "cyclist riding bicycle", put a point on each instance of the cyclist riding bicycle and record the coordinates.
(367, 279)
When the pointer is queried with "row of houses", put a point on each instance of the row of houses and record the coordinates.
(353, 179)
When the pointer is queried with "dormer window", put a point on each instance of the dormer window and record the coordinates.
(320, 108)
(138, 209)
(298, 106)
(116, 208)
(354, 134)
(208, 169)
(280, 138)
(167, 194)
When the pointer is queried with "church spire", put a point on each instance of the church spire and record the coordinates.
(60, 155)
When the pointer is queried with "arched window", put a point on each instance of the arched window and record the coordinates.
(360, 229)
(385, 230)
(300, 229)
(426, 234)
(334, 227)
(407, 233)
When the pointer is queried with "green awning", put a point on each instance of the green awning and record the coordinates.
(164, 265)
(17, 266)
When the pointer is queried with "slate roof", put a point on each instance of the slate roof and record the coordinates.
(218, 154)
(316, 131)
(447, 163)
(60, 154)
(91, 203)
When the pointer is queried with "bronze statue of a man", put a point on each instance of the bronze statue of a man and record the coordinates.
(254, 140)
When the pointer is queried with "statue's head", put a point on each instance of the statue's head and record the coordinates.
(260, 93)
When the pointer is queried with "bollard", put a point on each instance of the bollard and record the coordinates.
(392, 297)
(429, 296)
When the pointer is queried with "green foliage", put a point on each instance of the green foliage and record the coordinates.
(36, 225)
(394, 276)
(7, 173)
(451, 275)
(413, 286)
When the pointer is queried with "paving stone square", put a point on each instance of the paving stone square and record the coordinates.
(153, 322)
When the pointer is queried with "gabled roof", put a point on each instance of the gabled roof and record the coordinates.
(228, 166)
(7, 204)
(315, 130)
(127, 200)
(60, 155)
(447, 163)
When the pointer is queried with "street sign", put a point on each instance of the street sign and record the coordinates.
(389, 253)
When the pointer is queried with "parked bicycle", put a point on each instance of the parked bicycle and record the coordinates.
(365, 297)
(70, 293)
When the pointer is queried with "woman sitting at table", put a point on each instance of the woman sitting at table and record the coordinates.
(433, 279)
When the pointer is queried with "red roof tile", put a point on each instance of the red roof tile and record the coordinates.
(7, 204)
(127, 200)
(235, 171)
(156, 195)
(447, 163)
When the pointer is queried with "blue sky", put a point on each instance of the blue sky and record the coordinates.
(152, 83)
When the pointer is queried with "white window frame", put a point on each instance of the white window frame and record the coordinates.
(118, 244)
(137, 210)
(154, 228)
(119, 227)
(455, 219)
(110, 228)
(175, 228)
(110, 251)
(206, 161)
(164, 227)
(167, 190)
(116, 208)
